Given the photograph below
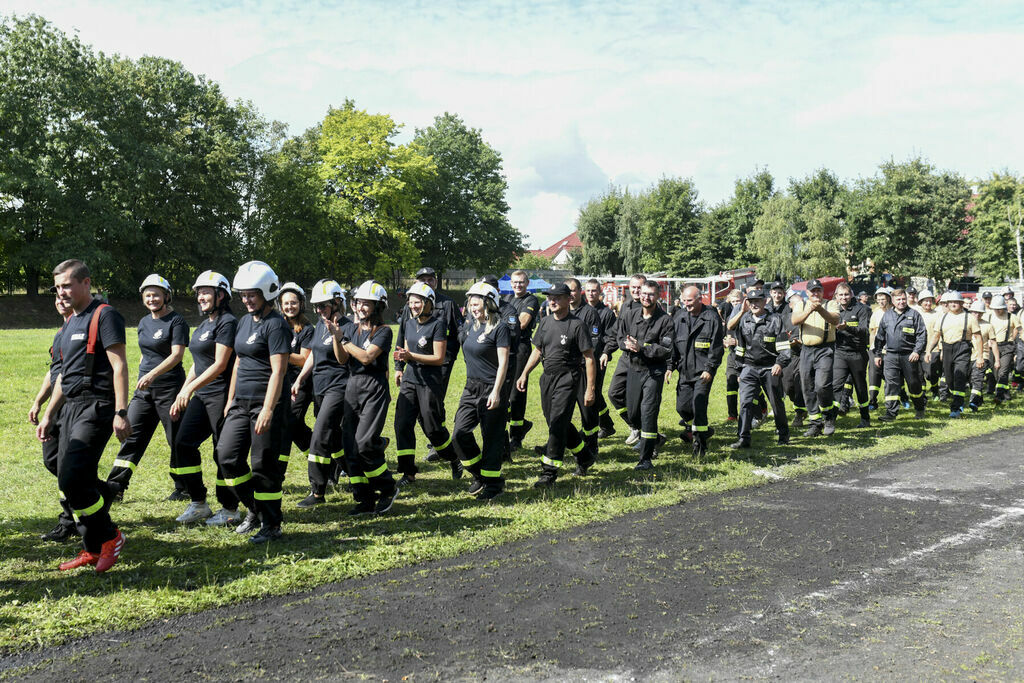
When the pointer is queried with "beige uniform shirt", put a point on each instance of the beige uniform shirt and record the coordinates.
(876, 320)
(814, 331)
(955, 328)
(1004, 329)
(986, 335)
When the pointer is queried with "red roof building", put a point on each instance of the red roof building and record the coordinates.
(558, 253)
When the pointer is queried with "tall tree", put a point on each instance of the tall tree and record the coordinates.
(669, 220)
(996, 217)
(463, 220)
(598, 231)
(775, 239)
(627, 226)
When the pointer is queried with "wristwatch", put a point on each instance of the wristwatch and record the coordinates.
(122, 413)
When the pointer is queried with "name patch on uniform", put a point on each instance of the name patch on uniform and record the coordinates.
(702, 345)
(78, 337)
(768, 340)
(853, 323)
(909, 330)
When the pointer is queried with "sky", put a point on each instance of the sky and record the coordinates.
(580, 95)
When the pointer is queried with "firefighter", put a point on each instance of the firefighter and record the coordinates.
(763, 344)
(697, 350)
(328, 378)
(984, 358)
(1006, 330)
(202, 400)
(960, 338)
(932, 368)
(851, 354)
(564, 345)
(526, 308)
(883, 302)
(486, 339)
(92, 388)
(646, 337)
(603, 351)
(817, 340)
(617, 387)
(864, 298)
(902, 336)
(292, 301)
(588, 315)
(65, 527)
(366, 402)
(420, 384)
(791, 379)
(163, 337)
(508, 317)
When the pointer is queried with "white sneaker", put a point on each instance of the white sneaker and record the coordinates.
(224, 517)
(195, 512)
(634, 436)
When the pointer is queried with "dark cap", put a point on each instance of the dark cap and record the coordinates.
(491, 280)
(756, 294)
(862, 293)
(911, 290)
(815, 284)
(986, 295)
(561, 289)
(425, 270)
(776, 285)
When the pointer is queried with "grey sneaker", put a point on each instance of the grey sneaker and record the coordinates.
(634, 437)
(250, 524)
(195, 512)
(224, 517)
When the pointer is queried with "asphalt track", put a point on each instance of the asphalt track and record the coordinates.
(908, 566)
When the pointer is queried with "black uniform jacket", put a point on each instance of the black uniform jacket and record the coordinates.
(697, 343)
(762, 342)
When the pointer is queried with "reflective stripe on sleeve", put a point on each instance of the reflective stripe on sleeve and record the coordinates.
(127, 464)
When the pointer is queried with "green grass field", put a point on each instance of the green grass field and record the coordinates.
(168, 570)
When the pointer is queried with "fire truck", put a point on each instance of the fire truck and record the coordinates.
(713, 289)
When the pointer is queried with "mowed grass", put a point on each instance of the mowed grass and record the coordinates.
(167, 569)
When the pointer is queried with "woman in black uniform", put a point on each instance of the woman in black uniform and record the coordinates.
(485, 346)
(421, 385)
(366, 401)
(200, 404)
(256, 416)
(163, 336)
(330, 378)
(293, 307)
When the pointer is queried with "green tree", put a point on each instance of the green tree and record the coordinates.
(627, 227)
(597, 226)
(669, 222)
(996, 216)
(463, 220)
(374, 184)
(530, 261)
(775, 239)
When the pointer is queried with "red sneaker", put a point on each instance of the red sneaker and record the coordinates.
(109, 553)
(730, 419)
(83, 558)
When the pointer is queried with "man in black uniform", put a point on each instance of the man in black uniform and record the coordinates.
(762, 342)
(646, 338)
(509, 318)
(617, 388)
(901, 333)
(818, 340)
(603, 351)
(696, 353)
(592, 324)
(564, 345)
(850, 366)
(93, 389)
(449, 313)
(65, 527)
(526, 309)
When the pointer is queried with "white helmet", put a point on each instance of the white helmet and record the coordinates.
(155, 280)
(327, 290)
(211, 278)
(951, 296)
(293, 287)
(372, 291)
(998, 303)
(488, 293)
(977, 306)
(422, 290)
(925, 294)
(258, 275)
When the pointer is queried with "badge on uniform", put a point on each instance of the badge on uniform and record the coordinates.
(204, 336)
(252, 338)
(511, 320)
(159, 334)
(593, 330)
(481, 338)
(366, 344)
(564, 339)
(327, 340)
(422, 343)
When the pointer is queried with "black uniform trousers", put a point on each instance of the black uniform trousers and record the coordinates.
(604, 416)
(1006, 367)
(485, 464)
(692, 404)
(897, 369)
(51, 449)
(753, 380)
(147, 409)
(421, 403)
(979, 379)
(517, 400)
(956, 367)
(326, 446)
(792, 383)
(87, 422)
(643, 398)
(851, 368)
(733, 366)
(933, 374)
(366, 410)
(617, 391)
(258, 485)
(296, 430)
(816, 376)
(559, 394)
(203, 418)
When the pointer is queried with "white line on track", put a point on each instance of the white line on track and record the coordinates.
(893, 491)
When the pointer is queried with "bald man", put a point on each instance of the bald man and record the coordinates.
(697, 351)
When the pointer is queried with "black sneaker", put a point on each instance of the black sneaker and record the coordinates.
(886, 417)
(475, 487)
(798, 420)
(432, 455)
(457, 469)
(59, 534)
(736, 445)
(830, 428)
(814, 429)
(363, 508)
(659, 442)
(783, 439)
(175, 495)
(527, 426)
(863, 424)
(540, 450)
(406, 480)
(249, 524)
(385, 502)
(266, 534)
(514, 445)
(643, 465)
(489, 494)
(545, 480)
(700, 449)
(312, 500)
(606, 432)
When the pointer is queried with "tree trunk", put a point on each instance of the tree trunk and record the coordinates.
(32, 281)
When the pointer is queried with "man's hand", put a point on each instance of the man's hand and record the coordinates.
(589, 398)
(122, 430)
(705, 377)
(401, 354)
(43, 429)
(521, 383)
(33, 412)
(878, 361)
(914, 357)
(603, 360)
(493, 399)
(263, 421)
(398, 378)
(980, 363)
(776, 370)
